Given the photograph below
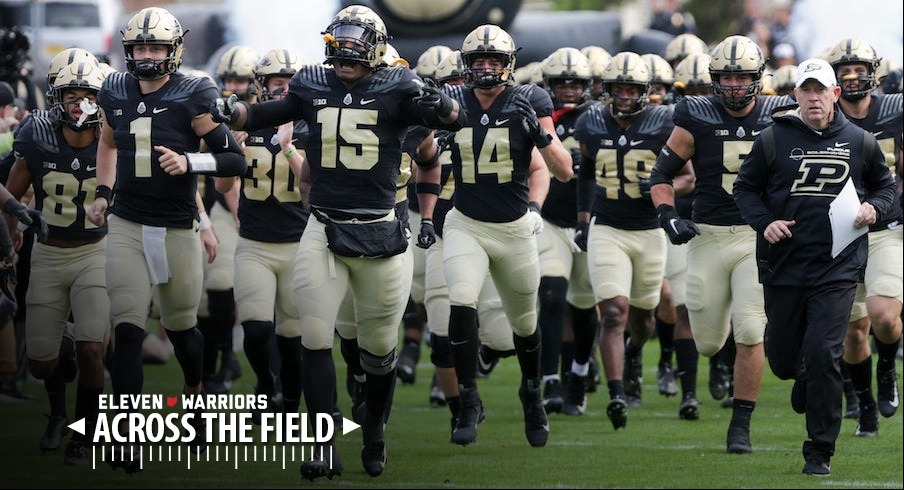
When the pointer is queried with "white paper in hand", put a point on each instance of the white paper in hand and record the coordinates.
(842, 215)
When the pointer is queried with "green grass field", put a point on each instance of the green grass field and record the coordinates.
(656, 451)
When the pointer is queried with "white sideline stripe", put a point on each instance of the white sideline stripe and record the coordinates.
(862, 484)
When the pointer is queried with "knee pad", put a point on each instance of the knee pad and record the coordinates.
(378, 365)
(441, 353)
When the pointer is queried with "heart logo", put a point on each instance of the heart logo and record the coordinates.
(171, 401)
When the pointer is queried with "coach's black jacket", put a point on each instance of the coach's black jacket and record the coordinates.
(793, 173)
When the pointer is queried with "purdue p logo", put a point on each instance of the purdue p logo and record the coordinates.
(815, 173)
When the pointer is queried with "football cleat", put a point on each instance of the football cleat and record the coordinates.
(666, 378)
(126, 456)
(868, 423)
(437, 397)
(536, 424)
(689, 408)
(325, 462)
(719, 379)
(552, 396)
(76, 453)
(617, 411)
(199, 443)
(887, 392)
(575, 397)
(406, 368)
(471, 414)
(57, 427)
(738, 440)
(373, 454)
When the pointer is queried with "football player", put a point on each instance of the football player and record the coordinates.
(356, 117)
(271, 220)
(154, 119)
(599, 59)
(57, 157)
(682, 46)
(878, 301)
(498, 191)
(565, 290)
(716, 132)
(625, 248)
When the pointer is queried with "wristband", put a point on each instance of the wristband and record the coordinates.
(288, 154)
(427, 188)
(201, 163)
(103, 191)
(205, 222)
(534, 206)
(543, 140)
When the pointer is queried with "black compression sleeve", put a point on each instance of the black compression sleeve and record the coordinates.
(226, 158)
(272, 113)
(668, 164)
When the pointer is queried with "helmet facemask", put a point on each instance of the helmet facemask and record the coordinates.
(736, 98)
(149, 69)
(856, 85)
(355, 42)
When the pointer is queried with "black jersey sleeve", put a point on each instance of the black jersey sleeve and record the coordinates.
(205, 94)
(878, 182)
(540, 101)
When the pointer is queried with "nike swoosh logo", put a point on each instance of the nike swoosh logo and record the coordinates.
(463, 342)
(635, 143)
(754, 133)
(90, 168)
(226, 145)
(500, 122)
(367, 101)
(159, 110)
(839, 144)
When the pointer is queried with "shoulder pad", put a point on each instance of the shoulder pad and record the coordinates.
(392, 78)
(591, 123)
(890, 109)
(698, 109)
(116, 85)
(185, 85)
(768, 104)
(40, 132)
(313, 77)
(457, 92)
(656, 119)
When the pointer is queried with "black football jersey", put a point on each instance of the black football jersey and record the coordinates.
(144, 193)
(7, 159)
(721, 143)
(355, 135)
(560, 205)
(63, 179)
(620, 159)
(270, 207)
(491, 154)
(885, 120)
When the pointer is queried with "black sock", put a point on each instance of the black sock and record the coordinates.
(616, 388)
(887, 353)
(454, 403)
(862, 378)
(87, 406)
(221, 305)
(188, 346)
(567, 354)
(211, 346)
(666, 333)
(584, 323)
(379, 392)
(742, 410)
(127, 373)
(352, 356)
(55, 386)
(257, 350)
(551, 319)
(291, 371)
(319, 387)
(528, 350)
(687, 359)
(464, 343)
(413, 321)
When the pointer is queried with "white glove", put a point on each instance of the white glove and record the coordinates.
(536, 220)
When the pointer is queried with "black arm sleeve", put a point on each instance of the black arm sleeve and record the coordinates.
(586, 184)
(271, 113)
(668, 164)
(230, 159)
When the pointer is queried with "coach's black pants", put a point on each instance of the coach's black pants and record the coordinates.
(805, 329)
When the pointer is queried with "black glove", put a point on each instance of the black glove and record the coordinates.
(576, 160)
(530, 123)
(444, 140)
(427, 236)
(34, 220)
(580, 237)
(644, 186)
(678, 229)
(225, 110)
(432, 98)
